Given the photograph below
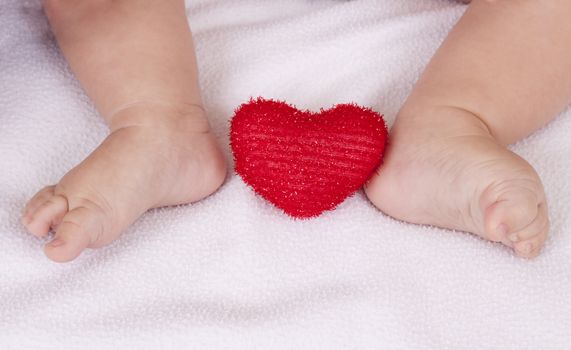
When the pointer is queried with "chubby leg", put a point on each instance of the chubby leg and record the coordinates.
(503, 72)
(136, 61)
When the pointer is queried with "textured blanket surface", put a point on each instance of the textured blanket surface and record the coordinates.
(232, 271)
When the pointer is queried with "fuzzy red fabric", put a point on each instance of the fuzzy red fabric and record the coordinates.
(305, 162)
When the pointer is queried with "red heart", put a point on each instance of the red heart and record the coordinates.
(305, 162)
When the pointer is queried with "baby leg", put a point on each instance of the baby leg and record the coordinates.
(503, 72)
(136, 61)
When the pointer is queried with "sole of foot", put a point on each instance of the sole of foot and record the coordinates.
(444, 168)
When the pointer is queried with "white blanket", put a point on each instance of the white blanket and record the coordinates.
(233, 272)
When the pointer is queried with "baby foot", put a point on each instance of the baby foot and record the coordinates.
(142, 164)
(444, 168)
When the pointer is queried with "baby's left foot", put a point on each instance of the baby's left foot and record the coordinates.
(444, 168)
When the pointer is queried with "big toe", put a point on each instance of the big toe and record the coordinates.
(78, 229)
(519, 220)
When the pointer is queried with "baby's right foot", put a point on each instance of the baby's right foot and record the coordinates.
(155, 158)
(444, 168)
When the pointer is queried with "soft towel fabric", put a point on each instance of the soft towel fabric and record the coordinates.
(232, 271)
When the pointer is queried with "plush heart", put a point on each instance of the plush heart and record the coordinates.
(305, 162)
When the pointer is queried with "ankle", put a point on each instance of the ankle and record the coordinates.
(159, 116)
(447, 119)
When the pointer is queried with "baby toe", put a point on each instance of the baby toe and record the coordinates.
(509, 216)
(539, 226)
(77, 230)
(38, 199)
(521, 221)
(46, 215)
(529, 241)
(531, 248)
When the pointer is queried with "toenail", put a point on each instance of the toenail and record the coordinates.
(514, 238)
(56, 242)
